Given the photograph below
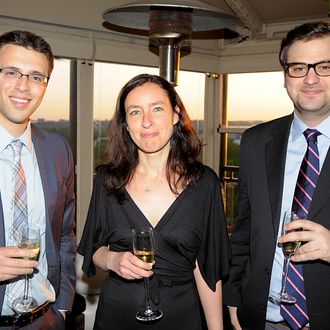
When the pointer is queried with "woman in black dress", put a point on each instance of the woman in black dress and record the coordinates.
(151, 178)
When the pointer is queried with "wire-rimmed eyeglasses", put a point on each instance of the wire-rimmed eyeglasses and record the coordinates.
(13, 74)
(300, 70)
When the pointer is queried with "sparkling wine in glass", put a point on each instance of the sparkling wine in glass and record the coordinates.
(289, 249)
(144, 249)
(29, 240)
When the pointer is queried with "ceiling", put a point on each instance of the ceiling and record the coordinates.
(257, 15)
(264, 17)
(263, 20)
(269, 11)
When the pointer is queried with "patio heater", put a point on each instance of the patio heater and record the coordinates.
(170, 25)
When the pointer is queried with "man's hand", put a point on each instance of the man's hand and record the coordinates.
(13, 264)
(315, 236)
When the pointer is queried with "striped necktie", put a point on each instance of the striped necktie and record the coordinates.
(19, 211)
(296, 314)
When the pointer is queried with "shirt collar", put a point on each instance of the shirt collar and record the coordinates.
(6, 138)
(298, 127)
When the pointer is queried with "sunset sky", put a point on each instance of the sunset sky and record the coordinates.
(257, 96)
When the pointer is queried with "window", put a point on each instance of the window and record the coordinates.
(53, 112)
(252, 98)
(256, 97)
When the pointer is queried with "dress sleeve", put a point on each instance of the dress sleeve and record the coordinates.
(95, 232)
(214, 255)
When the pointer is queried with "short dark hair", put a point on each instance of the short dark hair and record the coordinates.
(305, 32)
(29, 40)
(121, 153)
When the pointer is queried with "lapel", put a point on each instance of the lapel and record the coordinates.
(322, 190)
(44, 163)
(275, 155)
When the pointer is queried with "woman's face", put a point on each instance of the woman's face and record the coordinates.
(150, 117)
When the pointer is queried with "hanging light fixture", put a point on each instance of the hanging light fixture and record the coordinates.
(170, 25)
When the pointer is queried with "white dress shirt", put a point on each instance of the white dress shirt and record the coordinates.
(42, 290)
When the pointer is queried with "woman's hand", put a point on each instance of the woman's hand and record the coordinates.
(233, 318)
(125, 264)
(128, 266)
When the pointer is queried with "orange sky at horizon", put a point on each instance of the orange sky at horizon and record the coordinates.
(257, 96)
(252, 96)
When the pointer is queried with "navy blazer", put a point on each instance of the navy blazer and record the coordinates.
(261, 176)
(56, 170)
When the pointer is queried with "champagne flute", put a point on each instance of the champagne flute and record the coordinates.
(289, 249)
(28, 240)
(144, 249)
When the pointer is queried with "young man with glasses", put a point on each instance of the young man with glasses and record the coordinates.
(285, 166)
(37, 191)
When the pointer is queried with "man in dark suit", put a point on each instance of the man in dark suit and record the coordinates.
(271, 155)
(26, 62)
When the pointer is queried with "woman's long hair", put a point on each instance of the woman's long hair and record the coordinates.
(121, 154)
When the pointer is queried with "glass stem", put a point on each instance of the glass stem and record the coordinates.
(287, 264)
(148, 309)
(26, 287)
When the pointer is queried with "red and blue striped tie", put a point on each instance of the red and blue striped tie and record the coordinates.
(297, 315)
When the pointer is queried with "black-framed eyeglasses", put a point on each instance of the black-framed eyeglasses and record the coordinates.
(13, 75)
(300, 70)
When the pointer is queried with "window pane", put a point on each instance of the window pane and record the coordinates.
(252, 98)
(256, 97)
(53, 112)
(191, 89)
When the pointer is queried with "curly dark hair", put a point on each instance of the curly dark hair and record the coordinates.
(121, 154)
(29, 40)
(305, 32)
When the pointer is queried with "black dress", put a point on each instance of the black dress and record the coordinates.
(194, 227)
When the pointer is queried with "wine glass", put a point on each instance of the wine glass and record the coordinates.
(28, 240)
(144, 249)
(289, 249)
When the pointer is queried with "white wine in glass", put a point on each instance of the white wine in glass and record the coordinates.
(29, 240)
(144, 249)
(31, 246)
(146, 256)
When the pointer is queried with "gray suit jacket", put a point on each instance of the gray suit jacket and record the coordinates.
(56, 170)
(262, 162)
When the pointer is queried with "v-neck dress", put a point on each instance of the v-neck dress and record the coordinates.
(193, 228)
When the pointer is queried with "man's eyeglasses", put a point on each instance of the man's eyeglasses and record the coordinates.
(299, 70)
(13, 75)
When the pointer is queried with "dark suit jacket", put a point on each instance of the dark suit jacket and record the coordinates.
(56, 170)
(262, 162)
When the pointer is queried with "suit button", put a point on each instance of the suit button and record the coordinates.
(267, 271)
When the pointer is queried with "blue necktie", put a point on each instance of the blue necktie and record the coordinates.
(297, 314)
